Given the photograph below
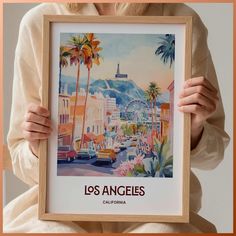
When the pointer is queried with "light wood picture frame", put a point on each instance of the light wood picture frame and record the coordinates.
(69, 193)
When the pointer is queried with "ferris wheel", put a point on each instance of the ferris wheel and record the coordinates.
(137, 111)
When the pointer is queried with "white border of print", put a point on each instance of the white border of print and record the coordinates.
(163, 196)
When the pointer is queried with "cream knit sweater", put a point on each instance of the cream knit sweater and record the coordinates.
(27, 88)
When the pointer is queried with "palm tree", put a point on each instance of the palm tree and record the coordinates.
(91, 57)
(78, 52)
(155, 91)
(152, 93)
(149, 99)
(167, 49)
(64, 54)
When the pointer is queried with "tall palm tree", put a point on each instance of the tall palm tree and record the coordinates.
(78, 52)
(64, 54)
(151, 94)
(167, 48)
(91, 57)
(149, 99)
(155, 91)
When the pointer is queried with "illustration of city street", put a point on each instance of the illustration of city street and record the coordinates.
(112, 121)
(91, 167)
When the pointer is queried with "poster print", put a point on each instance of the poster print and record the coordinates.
(111, 84)
(115, 110)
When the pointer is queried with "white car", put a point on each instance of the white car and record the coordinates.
(122, 146)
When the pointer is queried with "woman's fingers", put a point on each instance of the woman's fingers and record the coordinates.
(200, 81)
(32, 117)
(32, 136)
(199, 94)
(37, 124)
(198, 99)
(198, 89)
(39, 110)
(195, 109)
(33, 127)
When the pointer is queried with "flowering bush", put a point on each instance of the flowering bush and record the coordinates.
(156, 165)
(131, 168)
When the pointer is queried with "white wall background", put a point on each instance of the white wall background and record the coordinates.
(217, 185)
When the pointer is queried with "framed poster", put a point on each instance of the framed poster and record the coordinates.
(120, 148)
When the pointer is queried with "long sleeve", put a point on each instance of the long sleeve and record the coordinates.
(25, 164)
(26, 90)
(210, 149)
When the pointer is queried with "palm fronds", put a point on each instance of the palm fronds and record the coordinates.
(167, 49)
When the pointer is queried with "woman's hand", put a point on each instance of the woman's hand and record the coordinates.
(199, 97)
(36, 126)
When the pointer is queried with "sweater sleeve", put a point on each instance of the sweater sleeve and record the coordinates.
(26, 90)
(210, 149)
(27, 87)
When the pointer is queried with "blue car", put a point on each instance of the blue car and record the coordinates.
(86, 154)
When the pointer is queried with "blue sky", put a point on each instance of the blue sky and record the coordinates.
(117, 45)
(134, 52)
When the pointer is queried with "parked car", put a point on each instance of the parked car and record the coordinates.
(133, 143)
(134, 138)
(116, 149)
(127, 143)
(107, 155)
(85, 153)
(122, 146)
(131, 154)
(66, 153)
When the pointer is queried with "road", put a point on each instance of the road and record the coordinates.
(91, 167)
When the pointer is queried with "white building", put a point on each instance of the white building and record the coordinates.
(110, 104)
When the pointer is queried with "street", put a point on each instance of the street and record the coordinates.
(91, 167)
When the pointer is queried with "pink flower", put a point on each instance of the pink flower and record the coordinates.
(127, 168)
(138, 160)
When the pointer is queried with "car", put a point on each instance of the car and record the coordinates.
(106, 155)
(134, 139)
(127, 143)
(85, 153)
(116, 149)
(122, 146)
(66, 153)
(133, 144)
(131, 154)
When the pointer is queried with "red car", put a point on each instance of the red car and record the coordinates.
(66, 153)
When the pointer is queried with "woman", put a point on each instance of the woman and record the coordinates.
(30, 122)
